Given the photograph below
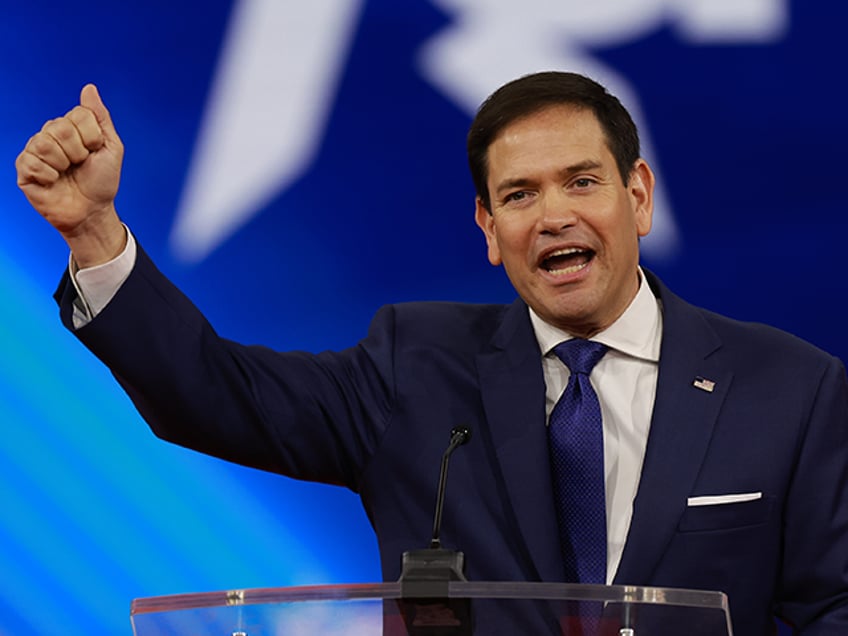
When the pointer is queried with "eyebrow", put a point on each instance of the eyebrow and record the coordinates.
(520, 182)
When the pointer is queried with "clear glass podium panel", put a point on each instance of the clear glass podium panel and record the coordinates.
(468, 608)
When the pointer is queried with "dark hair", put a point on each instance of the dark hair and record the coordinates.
(532, 93)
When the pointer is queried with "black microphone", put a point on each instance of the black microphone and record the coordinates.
(459, 436)
(426, 573)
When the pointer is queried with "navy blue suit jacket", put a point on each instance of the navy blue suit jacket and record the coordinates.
(376, 418)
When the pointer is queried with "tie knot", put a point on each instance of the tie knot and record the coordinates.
(580, 356)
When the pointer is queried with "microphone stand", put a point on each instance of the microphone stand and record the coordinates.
(425, 574)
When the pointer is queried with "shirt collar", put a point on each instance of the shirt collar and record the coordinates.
(637, 332)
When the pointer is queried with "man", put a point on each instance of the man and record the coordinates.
(721, 447)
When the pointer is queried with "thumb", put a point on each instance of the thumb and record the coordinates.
(90, 98)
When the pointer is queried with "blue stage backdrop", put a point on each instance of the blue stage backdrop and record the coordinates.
(294, 165)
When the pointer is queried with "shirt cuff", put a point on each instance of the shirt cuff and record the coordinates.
(96, 286)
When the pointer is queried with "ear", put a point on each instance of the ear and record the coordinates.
(486, 222)
(640, 188)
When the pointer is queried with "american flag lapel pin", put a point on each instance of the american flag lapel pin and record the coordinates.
(704, 384)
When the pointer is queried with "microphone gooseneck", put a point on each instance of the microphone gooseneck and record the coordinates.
(426, 574)
(459, 436)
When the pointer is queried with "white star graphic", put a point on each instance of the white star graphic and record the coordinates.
(282, 61)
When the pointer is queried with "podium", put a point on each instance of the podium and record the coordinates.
(479, 608)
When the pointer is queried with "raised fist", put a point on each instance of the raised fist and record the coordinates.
(70, 171)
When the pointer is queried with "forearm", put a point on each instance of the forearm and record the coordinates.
(292, 413)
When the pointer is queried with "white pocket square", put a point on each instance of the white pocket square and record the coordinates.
(716, 500)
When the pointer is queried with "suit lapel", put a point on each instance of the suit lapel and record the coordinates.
(513, 391)
(691, 387)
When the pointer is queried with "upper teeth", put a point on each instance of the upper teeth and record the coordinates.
(564, 252)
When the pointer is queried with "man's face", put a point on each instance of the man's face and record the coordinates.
(564, 225)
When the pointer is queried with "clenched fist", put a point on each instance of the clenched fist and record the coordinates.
(70, 171)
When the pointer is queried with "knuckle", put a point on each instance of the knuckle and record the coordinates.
(31, 169)
(80, 114)
(63, 131)
(21, 162)
(41, 145)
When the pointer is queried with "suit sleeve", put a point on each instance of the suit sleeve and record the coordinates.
(814, 585)
(311, 416)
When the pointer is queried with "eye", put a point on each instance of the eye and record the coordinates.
(583, 182)
(515, 197)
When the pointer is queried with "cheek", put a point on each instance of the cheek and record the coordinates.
(511, 247)
(623, 233)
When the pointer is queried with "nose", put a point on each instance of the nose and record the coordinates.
(556, 213)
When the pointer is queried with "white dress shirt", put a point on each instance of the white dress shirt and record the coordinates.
(97, 285)
(625, 380)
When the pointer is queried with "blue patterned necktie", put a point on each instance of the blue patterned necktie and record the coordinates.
(576, 440)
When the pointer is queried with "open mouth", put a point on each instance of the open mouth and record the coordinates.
(567, 261)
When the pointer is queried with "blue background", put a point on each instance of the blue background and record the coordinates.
(94, 511)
